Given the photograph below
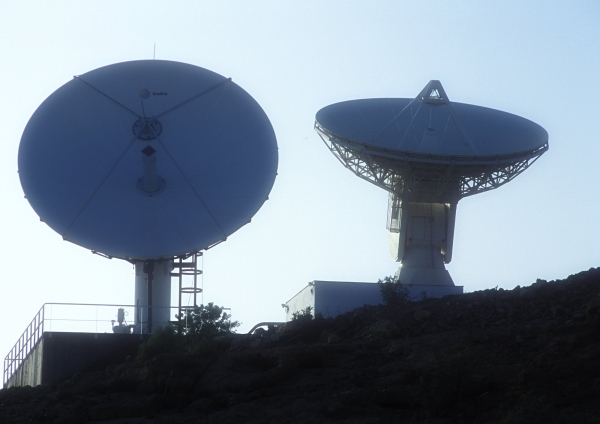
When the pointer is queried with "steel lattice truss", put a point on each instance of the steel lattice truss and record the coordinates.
(428, 177)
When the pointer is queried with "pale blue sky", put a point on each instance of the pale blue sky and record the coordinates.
(537, 59)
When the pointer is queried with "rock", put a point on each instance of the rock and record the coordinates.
(388, 363)
(334, 338)
(178, 385)
(131, 409)
(146, 387)
(201, 405)
(231, 339)
(443, 325)
(213, 403)
(396, 349)
(255, 344)
(258, 333)
(529, 293)
(102, 412)
(422, 314)
(383, 329)
(592, 312)
(240, 341)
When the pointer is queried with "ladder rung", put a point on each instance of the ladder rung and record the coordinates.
(184, 265)
(191, 290)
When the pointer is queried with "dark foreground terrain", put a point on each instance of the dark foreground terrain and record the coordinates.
(528, 355)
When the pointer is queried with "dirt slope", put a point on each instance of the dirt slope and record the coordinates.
(527, 355)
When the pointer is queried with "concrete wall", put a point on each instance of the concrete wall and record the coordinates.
(66, 354)
(58, 356)
(30, 371)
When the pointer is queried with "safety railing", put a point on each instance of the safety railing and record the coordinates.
(80, 318)
(32, 334)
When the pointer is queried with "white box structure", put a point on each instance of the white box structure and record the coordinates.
(332, 298)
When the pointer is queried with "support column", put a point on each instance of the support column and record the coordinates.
(424, 243)
(160, 290)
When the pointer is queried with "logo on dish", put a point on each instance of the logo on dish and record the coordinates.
(159, 93)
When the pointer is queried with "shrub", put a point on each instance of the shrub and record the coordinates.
(163, 340)
(193, 336)
(393, 293)
(206, 322)
(303, 315)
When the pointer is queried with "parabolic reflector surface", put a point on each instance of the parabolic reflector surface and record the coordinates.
(88, 150)
(452, 130)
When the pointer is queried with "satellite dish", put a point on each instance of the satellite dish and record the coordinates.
(428, 152)
(148, 159)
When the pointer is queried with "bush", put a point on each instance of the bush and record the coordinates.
(393, 293)
(193, 336)
(206, 322)
(163, 340)
(303, 315)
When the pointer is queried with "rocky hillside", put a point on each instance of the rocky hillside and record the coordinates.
(528, 355)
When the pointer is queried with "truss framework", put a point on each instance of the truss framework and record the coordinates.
(427, 177)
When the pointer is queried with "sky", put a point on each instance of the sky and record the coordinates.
(536, 59)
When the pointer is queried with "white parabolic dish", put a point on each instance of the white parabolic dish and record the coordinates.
(430, 149)
(83, 159)
(428, 152)
(450, 132)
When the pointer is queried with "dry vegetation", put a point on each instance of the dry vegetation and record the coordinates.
(528, 355)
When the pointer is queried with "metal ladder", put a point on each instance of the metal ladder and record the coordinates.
(186, 271)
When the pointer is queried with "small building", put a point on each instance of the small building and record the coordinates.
(56, 356)
(332, 298)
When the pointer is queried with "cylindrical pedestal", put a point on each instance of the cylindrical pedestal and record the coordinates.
(423, 242)
(161, 297)
(424, 266)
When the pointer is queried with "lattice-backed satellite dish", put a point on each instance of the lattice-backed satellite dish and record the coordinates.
(428, 153)
(148, 160)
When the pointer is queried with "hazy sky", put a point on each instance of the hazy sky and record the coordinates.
(537, 59)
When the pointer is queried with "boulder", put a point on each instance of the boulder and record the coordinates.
(422, 315)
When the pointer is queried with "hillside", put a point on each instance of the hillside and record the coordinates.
(526, 355)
